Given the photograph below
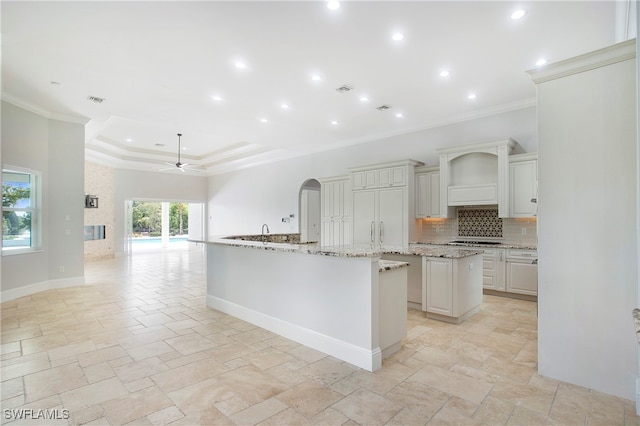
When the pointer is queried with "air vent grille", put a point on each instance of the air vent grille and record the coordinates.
(383, 107)
(344, 89)
(96, 99)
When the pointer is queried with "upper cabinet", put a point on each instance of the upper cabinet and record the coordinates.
(379, 178)
(476, 174)
(428, 192)
(523, 185)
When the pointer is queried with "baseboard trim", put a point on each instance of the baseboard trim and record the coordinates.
(28, 290)
(369, 360)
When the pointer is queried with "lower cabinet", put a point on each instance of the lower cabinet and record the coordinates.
(439, 292)
(510, 271)
(452, 287)
(521, 276)
(493, 276)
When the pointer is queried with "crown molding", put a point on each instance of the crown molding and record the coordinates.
(599, 58)
(43, 112)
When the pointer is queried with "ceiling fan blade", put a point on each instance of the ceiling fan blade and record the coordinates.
(181, 169)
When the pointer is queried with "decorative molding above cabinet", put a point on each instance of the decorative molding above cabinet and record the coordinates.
(477, 174)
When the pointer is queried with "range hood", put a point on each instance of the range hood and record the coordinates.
(477, 175)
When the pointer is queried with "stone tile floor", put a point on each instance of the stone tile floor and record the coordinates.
(137, 345)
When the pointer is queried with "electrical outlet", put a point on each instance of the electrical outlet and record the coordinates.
(523, 231)
(60, 268)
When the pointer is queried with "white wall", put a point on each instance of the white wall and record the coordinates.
(56, 149)
(588, 252)
(240, 202)
(152, 186)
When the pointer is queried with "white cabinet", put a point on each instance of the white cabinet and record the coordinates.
(380, 217)
(383, 204)
(493, 274)
(439, 286)
(522, 272)
(452, 288)
(335, 204)
(428, 193)
(379, 177)
(476, 175)
(523, 185)
(510, 271)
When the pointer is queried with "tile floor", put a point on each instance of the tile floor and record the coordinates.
(138, 346)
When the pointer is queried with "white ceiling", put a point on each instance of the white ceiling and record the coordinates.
(159, 64)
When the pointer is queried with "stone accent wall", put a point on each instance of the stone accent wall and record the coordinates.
(100, 181)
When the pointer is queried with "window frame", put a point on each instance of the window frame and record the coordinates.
(35, 203)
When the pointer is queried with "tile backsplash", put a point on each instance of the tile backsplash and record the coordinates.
(479, 223)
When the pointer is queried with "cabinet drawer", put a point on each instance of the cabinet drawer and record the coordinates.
(522, 254)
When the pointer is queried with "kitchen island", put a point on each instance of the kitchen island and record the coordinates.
(343, 301)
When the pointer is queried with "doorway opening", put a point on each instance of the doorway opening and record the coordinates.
(309, 211)
(154, 225)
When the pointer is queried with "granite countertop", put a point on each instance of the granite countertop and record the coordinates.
(484, 246)
(349, 251)
(388, 265)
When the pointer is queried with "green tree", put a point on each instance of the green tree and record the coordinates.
(178, 218)
(147, 217)
(12, 194)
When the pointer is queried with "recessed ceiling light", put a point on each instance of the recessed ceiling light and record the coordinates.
(129, 140)
(184, 148)
(334, 123)
(316, 77)
(397, 36)
(284, 106)
(240, 65)
(517, 14)
(540, 62)
(445, 73)
(364, 99)
(471, 96)
(399, 115)
(217, 98)
(263, 120)
(333, 5)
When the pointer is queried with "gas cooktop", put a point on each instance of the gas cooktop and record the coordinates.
(475, 242)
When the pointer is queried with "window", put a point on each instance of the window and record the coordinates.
(20, 210)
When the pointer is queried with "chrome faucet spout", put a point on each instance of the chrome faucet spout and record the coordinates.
(263, 227)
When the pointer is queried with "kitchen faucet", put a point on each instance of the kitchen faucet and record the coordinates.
(264, 226)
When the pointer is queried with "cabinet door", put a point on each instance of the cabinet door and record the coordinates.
(422, 195)
(440, 286)
(326, 200)
(493, 273)
(522, 277)
(523, 184)
(363, 180)
(434, 195)
(392, 217)
(326, 237)
(363, 217)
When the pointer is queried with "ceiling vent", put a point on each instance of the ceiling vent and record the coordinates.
(96, 99)
(383, 107)
(344, 89)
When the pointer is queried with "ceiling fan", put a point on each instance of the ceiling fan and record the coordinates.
(180, 166)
